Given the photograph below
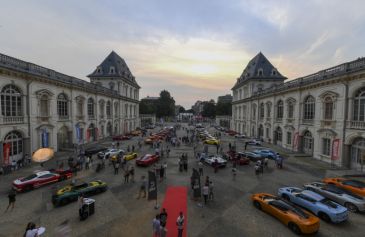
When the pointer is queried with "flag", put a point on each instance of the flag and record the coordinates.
(45, 138)
(6, 153)
(196, 183)
(152, 186)
(78, 134)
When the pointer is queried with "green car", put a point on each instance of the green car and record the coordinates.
(70, 193)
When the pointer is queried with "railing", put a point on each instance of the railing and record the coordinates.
(12, 119)
(268, 119)
(290, 120)
(91, 117)
(328, 123)
(108, 116)
(308, 121)
(63, 117)
(43, 119)
(80, 117)
(356, 124)
(101, 116)
(279, 120)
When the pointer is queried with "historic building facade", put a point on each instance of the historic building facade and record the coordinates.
(322, 114)
(40, 107)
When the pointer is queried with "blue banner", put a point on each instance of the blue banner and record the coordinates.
(78, 133)
(45, 137)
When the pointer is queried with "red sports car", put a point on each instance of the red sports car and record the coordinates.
(39, 179)
(121, 138)
(147, 160)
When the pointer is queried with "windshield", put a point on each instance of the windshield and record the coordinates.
(32, 176)
(355, 183)
(328, 202)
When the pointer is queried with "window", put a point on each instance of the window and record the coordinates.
(254, 112)
(99, 70)
(111, 85)
(359, 106)
(90, 107)
(326, 146)
(11, 101)
(44, 109)
(307, 142)
(244, 111)
(279, 134)
(328, 108)
(112, 70)
(268, 110)
(280, 109)
(108, 109)
(101, 103)
(130, 92)
(291, 109)
(267, 133)
(262, 110)
(260, 72)
(309, 108)
(62, 105)
(288, 138)
(115, 109)
(15, 140)
(273, 72)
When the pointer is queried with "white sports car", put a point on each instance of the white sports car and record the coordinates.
(214, 158)
(111, 152)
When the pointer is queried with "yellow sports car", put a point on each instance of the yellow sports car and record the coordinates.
(211, 142)
(130, 156)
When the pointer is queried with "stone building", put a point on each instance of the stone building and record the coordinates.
(322, 114)
(40, 107)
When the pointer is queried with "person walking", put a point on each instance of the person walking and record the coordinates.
(165, 169)
(206, 193)
(211, 194)
(142, 188)
(180, 224)
(133, 148)
(126, 175)
(131, 173)
(246, 143)
(87, 163)
(31, 230)
(163, 217)
(200, 164)
(11, 197)
(116, 167)
(156, 226)
(234, 171)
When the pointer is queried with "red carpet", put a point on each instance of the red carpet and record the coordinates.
(174, 202)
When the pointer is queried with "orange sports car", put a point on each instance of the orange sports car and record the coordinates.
(354, 186)
(298, 220)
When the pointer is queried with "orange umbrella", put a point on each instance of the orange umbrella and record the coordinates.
(42, 155)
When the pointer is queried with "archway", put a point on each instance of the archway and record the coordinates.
(358, 153)
(307, 143)
(109, 129)
(261, 131)
(91, 133)
(63, 138)
(14, 146)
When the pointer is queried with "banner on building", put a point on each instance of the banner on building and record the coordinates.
(152, 186)
(296, 141)
(335, 149)
(195, 182)
(78, 133)
(45, 137)
(88, 135)
(6, 152)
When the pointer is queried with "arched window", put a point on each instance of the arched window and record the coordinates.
(62, 105)
(359, 105)
(126, 110)
(254, 112)
(116, 109)
(309, 107)
(108, 109)
(15, 140)
(11, 101)
(280, 109)
(111, 85)
(260, 72)
(90, 107)
(101, 105)
(279, 134)
(328, 108)
(262, 110)
(290, 109)
(268, 110)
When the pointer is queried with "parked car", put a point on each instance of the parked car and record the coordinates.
(70, 193)
(354, 186)
(252, 156)
(254, 142)
(130, 156)
(351, 201)
(242, 159)
(240, 136)
(94, 150)
(147, 160)
(298, 220)
(39, 179)
(266, 153)
(322, 207)
(210, 159)
(231, 133)
(211, 141)
(121, 138)
(109, 152)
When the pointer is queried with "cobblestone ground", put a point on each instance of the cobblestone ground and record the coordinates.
(119, 213)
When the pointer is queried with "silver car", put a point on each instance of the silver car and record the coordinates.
(343, 197)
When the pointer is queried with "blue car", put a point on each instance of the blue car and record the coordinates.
(322, 207)
(266, 153)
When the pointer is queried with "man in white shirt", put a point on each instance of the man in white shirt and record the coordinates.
(180, 224)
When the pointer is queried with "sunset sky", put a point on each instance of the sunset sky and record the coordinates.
(193, 48)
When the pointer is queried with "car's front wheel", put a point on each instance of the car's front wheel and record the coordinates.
(295, 228)
(286, 197)
(351, 207)
(324, 217)
(257, 205)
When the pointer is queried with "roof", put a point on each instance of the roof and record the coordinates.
(113, 66)
(313, 195)
(259, 67)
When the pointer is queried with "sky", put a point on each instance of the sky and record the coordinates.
(195, 49)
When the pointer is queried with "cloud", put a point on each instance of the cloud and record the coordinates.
(194, 49)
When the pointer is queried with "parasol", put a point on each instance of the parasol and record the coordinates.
(42, 155)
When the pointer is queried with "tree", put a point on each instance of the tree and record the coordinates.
(146, 107)
(224, 108)
(209, 109)
(181, 110)
(165, 105)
